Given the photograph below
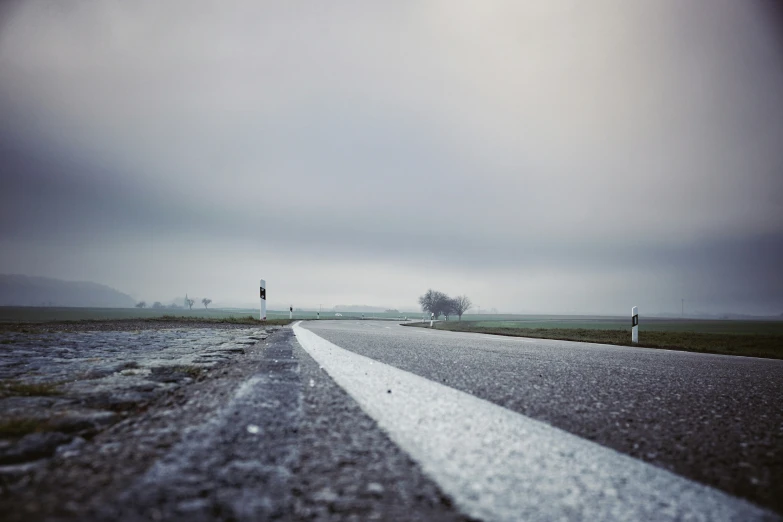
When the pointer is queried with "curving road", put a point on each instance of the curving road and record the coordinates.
(716, 420)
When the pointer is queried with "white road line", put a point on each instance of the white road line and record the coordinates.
(500, 465)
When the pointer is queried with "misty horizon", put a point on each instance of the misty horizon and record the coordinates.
(179, 303)
(550, 158)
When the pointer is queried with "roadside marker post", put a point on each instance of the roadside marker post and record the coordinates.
(291, 312)
(432, 319)
(262, 315)
(634, 325)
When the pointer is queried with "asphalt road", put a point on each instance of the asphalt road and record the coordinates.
(287, 444)
(717, 420)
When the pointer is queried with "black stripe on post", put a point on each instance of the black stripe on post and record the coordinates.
(263, 293)
(635, 320)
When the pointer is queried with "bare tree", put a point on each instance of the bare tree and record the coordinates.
(189, 302)
(436, 303)
(141, 304)
(449, 307)
(461, 305)
(157, 305)
(206, 302)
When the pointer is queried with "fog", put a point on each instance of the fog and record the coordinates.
(556, 157)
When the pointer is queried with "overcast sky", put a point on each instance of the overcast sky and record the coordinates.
(558, 156)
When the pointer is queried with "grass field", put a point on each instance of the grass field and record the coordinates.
(649, 324)
(749, 338)
(30, 314)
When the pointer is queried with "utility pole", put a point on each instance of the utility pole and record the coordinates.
(683, 307)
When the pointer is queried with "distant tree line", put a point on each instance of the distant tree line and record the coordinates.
(441, 304)
(157, 305)
(188, 302)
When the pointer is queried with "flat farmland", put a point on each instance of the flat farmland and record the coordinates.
(650, 324)
(31, 314)
(758, 338)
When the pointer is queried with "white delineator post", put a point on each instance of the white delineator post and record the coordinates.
(290, 312)
(634, 325)
(262, 316)
(432, 319)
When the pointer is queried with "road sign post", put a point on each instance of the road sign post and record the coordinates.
(432, 319)
(262, 315)
(634, 325)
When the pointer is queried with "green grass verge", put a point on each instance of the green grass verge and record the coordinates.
(194, 372)
(648, 324)
(249, 319)
(14, 388)
(41, 327)
(752, 345)
(19, 427)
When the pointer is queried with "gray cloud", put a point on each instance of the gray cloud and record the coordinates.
(543, 158)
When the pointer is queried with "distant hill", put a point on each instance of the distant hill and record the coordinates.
(20, 290)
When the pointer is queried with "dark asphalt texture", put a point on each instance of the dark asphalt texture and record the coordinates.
(349, 469)
(289, 445)
(714, 419)
(236, 465)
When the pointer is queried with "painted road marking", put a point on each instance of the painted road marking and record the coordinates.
(498, 465)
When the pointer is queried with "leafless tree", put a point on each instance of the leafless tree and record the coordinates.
(436, 302)
(189, 302)
(461, 305)
(206, 302)
(141, 304)
(449, 307)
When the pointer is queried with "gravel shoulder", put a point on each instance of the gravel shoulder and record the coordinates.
(124, 396)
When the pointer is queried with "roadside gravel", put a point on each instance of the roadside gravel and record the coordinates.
(123, 396)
